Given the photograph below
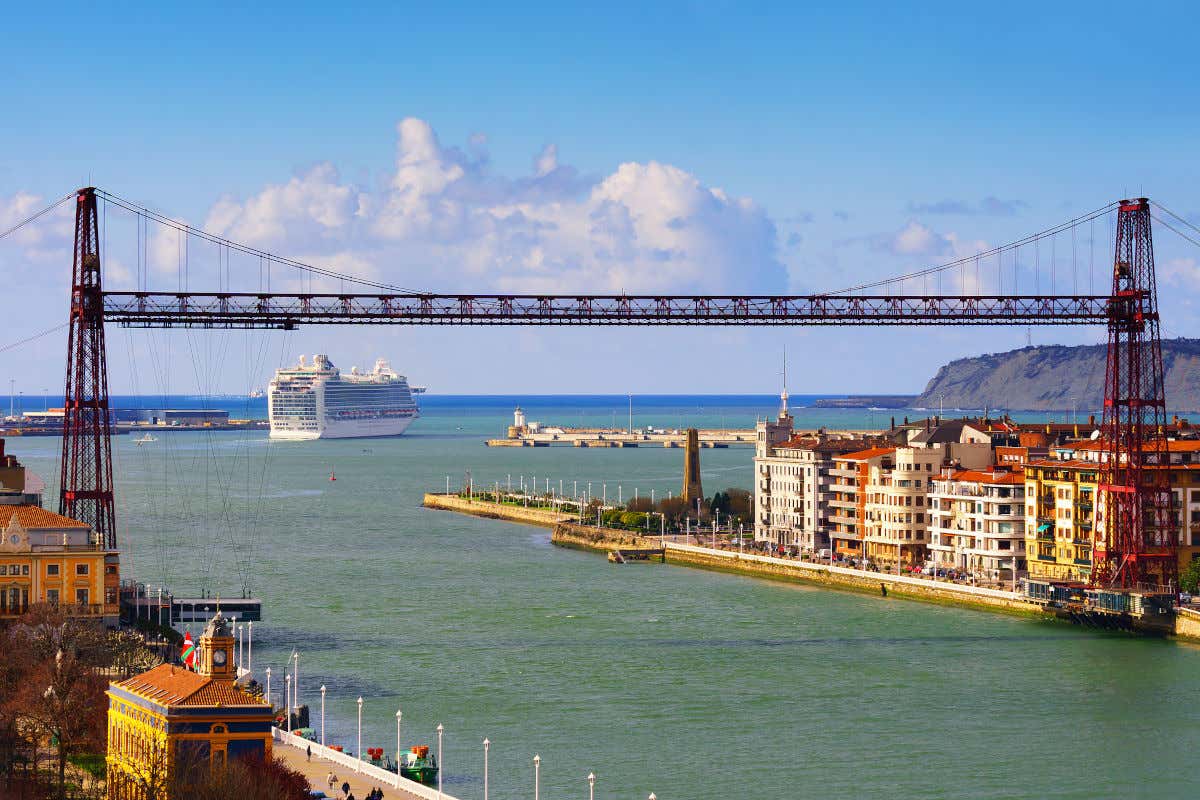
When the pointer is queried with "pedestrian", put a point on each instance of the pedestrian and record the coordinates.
(331, 779)
(308, 752)
(346, 788)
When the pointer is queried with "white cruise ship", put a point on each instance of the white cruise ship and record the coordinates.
(315, 401)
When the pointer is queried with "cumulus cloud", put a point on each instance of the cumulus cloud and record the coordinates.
(445, 220)
(988, 206)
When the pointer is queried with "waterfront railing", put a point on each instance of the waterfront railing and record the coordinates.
(387, 777)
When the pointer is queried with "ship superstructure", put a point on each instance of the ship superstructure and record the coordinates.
(315, 401)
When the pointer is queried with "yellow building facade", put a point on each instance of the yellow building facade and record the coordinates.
(169, 720)
(48, 558)
(1064, 515)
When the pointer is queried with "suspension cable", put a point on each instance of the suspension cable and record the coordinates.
(229, 244)
(958, 262)
(36, 216)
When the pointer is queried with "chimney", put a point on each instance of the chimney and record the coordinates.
(892, 428)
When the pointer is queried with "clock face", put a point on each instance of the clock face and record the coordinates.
(219, 658)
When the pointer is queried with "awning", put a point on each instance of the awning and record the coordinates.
(1045, 526)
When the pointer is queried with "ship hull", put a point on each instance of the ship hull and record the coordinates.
(347, 429)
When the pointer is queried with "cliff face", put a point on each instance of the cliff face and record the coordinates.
(1054, 378)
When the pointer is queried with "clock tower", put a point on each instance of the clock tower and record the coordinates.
(214, 657)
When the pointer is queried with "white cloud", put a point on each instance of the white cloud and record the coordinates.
(445, 221)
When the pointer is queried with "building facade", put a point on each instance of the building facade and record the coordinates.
(169, 720)
(850, 475)
(896, 519)
(977, 523)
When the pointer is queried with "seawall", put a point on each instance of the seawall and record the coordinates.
(602, 540)
(491, 510)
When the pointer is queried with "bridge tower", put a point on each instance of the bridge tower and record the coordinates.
(1138, 548)
(86, 484)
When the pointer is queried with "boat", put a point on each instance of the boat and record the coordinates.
(145, 438)
(419, 765)
(256, 393)
(318, 401)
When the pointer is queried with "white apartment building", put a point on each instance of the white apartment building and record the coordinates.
(792, 483)
(977, 523)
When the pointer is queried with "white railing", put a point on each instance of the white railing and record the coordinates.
(889, 577)
(392, 779)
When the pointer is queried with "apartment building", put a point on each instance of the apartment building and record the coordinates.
(794, 488)
(896, 519)
(848, 498)
(977, 522)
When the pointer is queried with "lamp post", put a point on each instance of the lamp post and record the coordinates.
(296, 676)
(398, 716)
(287, 701)
(322, 715)
(250, 646)
(537, 776)
(237, 661)
(358, 752)
(591, 786)
(269, 686)
(441, 768)
(486, 745)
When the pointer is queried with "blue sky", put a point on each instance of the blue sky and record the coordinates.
(556, 147)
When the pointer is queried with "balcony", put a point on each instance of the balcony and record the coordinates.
(1083, 562)
(1043, 557)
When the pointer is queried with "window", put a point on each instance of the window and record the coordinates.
(81, 597)
(52, 596)
(24, 569)
(3, 569)
(52, 569)
(81, 569)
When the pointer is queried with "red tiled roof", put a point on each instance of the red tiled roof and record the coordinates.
(169, 685)
(36, 517)
(983, 476)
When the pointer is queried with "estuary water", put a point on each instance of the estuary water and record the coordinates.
(659, 679)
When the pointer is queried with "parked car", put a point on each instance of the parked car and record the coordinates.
(825, 553)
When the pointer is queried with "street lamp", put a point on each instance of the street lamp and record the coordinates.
(287, 707)
(296, 675)
(237, 661)
(269, 686)
(322, 715)
(591, 786)
(441, 768)
(537, 775)
(250, 646)
(399, 715)
(486, 745)
(358, 752)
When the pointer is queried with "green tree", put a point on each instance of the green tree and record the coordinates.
(1189, 578)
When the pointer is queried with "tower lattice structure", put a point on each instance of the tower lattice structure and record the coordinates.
(1138, 548)
(86, 483)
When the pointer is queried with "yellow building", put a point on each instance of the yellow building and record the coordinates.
(170, 719)
(1064, 520)
(48, 558)
(1060, 517)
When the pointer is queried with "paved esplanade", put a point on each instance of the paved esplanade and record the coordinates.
(317, 771)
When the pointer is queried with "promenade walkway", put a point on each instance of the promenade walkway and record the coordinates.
(292, 750)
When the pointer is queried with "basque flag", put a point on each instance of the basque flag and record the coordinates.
(188, 657)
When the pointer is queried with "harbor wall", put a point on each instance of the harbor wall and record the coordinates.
(491, 510)
(1187, 624)
(603, 540)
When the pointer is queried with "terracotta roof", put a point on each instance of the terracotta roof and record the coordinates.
(872, 452)
(169, 685)
(221, 693)
(984, 476)
(36, 517)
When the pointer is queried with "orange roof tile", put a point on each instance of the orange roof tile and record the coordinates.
(983, 476)
(36, 517)
(169, 685)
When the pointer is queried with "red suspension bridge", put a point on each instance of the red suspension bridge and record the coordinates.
(1138, 543)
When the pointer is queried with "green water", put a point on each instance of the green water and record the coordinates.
(681, 682)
